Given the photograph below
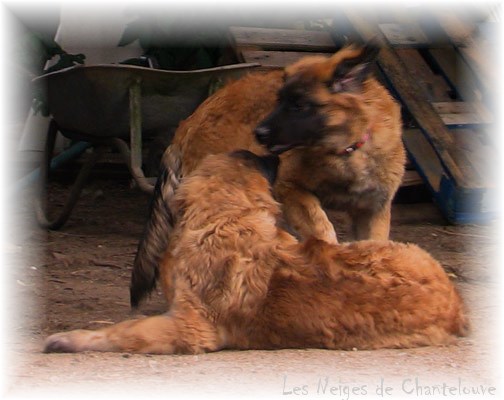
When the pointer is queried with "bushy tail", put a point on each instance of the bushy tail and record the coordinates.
(159, 226)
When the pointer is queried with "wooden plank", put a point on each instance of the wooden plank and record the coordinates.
(475, 53)
(404, 35)
(458, 73)
(460, 32)
(461, 119)
(282, 39)
(424, 157)
(452, 107)
(276, 59)
(446, 60)
(423, 112)
(411, 178)
(462, 113)
(477, 154)
(434, 87)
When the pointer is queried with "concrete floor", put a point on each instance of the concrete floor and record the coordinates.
(45, 287)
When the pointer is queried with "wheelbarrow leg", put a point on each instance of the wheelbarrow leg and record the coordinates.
(41, 206)
(135, 155)
(132, 156)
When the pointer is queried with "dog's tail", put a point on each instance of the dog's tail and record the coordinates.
(159, 226)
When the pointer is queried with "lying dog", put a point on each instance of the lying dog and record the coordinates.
(340, 134)
(237, 281)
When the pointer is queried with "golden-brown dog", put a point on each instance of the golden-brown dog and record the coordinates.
(339, 132)
(237, 281)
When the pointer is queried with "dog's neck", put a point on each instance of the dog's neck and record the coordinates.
(357, 145)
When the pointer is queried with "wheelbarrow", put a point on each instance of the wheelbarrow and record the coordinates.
(114, 105)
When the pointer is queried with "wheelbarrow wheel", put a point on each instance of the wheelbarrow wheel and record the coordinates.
(41, 200)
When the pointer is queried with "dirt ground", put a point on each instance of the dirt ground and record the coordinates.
(78, 277)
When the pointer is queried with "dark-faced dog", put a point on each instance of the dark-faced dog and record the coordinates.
(237, 281)
(337, 129)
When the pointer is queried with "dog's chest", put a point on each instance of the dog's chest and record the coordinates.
(353, 182)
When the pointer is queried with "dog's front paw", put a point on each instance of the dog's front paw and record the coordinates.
(74, 341)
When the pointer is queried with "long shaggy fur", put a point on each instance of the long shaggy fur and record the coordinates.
(236, 281)
(158, 229)
(313, 111)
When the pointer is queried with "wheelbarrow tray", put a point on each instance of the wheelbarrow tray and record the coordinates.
(93, 100)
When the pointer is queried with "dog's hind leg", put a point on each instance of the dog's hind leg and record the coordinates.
(178, 332)
(303, 211)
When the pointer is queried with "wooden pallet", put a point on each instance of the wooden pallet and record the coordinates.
(443, 84)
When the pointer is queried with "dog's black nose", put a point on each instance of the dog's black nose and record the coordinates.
(262, 134)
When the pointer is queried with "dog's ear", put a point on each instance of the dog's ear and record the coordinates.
(350, 74)
(268, 165)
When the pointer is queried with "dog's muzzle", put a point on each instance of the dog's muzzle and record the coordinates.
(263, 134)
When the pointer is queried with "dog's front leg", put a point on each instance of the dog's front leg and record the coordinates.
(184, 332)
(304, 213)
(372, 225)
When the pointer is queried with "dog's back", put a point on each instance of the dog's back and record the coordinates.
(266, 290)
(226, 120)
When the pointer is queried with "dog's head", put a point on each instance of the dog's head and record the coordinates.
(320, 97)
(229, 183)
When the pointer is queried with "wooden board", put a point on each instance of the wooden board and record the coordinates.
(477, 52)
(411, 178)
(457, 73)
(407, 35)
(282, 39)
(422, 153)
(459, 206)
(276, 59)
(433, 86)
(477, 154)
(462, 113)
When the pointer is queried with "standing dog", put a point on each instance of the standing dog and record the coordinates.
(237, 281)
(339, 132)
